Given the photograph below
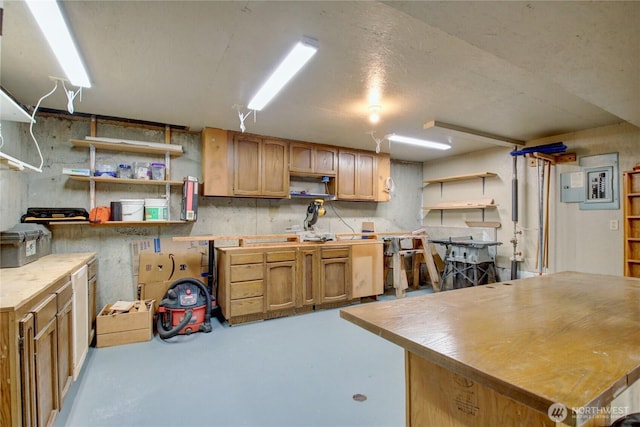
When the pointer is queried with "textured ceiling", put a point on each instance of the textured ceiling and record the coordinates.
(522, 70)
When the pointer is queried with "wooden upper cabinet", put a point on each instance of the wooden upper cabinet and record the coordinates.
(312, 160)
(217, 161)
(347, 181)
(357, 175)
(366, 173)
(326, 161)
(274, 168)
(247, 165)
(260, 167)
(301, 157)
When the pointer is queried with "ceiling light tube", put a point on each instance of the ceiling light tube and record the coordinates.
(420, 142)
(49, 17)
(295, 60)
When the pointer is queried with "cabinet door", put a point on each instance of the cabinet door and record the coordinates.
(275, 172)
(80, 284)
(301, 157)
(325, 161)
(366, 176)
(308, 276)
(334, 281)
(281, 279)
(64, 325)
(46, 358)
(247, 166)
(367, 269)
(217, 163)
(93, 285)
(28, 370)
(347, 175)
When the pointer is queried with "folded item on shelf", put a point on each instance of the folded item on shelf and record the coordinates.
(47, 215)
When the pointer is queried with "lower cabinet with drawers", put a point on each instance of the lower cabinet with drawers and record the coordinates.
(37, 325)
(262, 282)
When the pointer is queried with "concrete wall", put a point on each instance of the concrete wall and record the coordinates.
(13, 185)
(580, 240)
(216, 215)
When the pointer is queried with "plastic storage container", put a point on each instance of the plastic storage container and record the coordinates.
(24, 243)
(157, 171)
(141, 170)
(124, 171)
(132, 209)
(106, 169)
(156, 210)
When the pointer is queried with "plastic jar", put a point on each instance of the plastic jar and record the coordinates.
(124, 171)
(141, 170)
(157, 171)
(105, 169)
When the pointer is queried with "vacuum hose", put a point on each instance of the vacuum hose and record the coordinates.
(165, 334)
(206, 325)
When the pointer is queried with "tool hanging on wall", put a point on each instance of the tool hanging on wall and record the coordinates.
(543, 162)
(514, 218)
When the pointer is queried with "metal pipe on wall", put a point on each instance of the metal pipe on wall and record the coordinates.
(540, 257)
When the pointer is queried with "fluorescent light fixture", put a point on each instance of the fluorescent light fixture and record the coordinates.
(49, 17)
(420, 142)
(295, 60)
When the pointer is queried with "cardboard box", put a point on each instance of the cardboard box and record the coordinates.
(166, 246)
(158, 271)
(117, 328)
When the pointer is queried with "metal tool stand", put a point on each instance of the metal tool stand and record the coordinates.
(468, 262)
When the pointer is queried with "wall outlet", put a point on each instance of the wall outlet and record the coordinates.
(613, 224)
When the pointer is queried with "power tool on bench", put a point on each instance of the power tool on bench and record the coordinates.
(315, 210)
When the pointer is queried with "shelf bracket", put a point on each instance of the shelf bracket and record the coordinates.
(92, 167)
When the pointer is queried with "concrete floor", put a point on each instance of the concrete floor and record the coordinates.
(294, 371)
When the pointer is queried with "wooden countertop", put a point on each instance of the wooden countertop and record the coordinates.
(294, 239)
(572, 338)
(19, 285)
(276, 245)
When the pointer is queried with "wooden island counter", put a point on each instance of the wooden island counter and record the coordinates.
(503, 354)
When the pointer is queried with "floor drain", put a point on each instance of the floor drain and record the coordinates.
(359, 397)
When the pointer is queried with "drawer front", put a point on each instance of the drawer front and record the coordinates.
(45, 312)
(247, 289)
(247, 306)
(334, 253)
(242, 273)
(92, 268)
(253, 258)
(281, 256)
(64, 296)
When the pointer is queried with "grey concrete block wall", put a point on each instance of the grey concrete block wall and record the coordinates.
(216, 215)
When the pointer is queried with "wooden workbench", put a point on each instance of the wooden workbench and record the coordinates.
(502, 354)
(42, 341)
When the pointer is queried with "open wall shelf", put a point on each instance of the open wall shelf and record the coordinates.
(460, 177)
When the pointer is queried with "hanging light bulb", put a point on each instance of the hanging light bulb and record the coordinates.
(374, 113)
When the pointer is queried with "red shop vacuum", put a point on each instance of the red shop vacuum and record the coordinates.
(185, 308)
